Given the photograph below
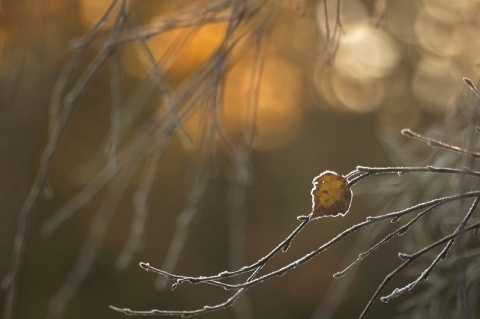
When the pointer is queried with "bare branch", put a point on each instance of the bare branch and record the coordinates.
(438, 144)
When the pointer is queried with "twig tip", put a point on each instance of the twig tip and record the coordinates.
(471, 86)
(407, 132)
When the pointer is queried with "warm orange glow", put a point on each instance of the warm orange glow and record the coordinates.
(443, 47)
(279, 117)
(92, 10)
(2, 45)
(190, 47)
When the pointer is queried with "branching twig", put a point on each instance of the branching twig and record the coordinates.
(9, 282)
(409, 258)
(400, 231)
(218, 280)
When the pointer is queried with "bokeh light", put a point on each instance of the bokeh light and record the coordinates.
(356, 95)
(436, 36)
(434, 42)
(180, 50)
(445, 32)
(366, 53)
(355, 13)
(366, 58)
(431, 74)
(450, 12)
(278, 115)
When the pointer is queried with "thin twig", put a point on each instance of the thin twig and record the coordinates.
(432, 202)
(363, 171)
(91, 245)
(400, 231)
(216, 280)
(141, 211)
(227, 274)
(161, 84)
(411, 259)
(116, 88)
(190, 210)
(439, 144)
(471, 86)
(9, 282)
(182, 313)
(164, 128)
(193, 18)
(380, 10)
